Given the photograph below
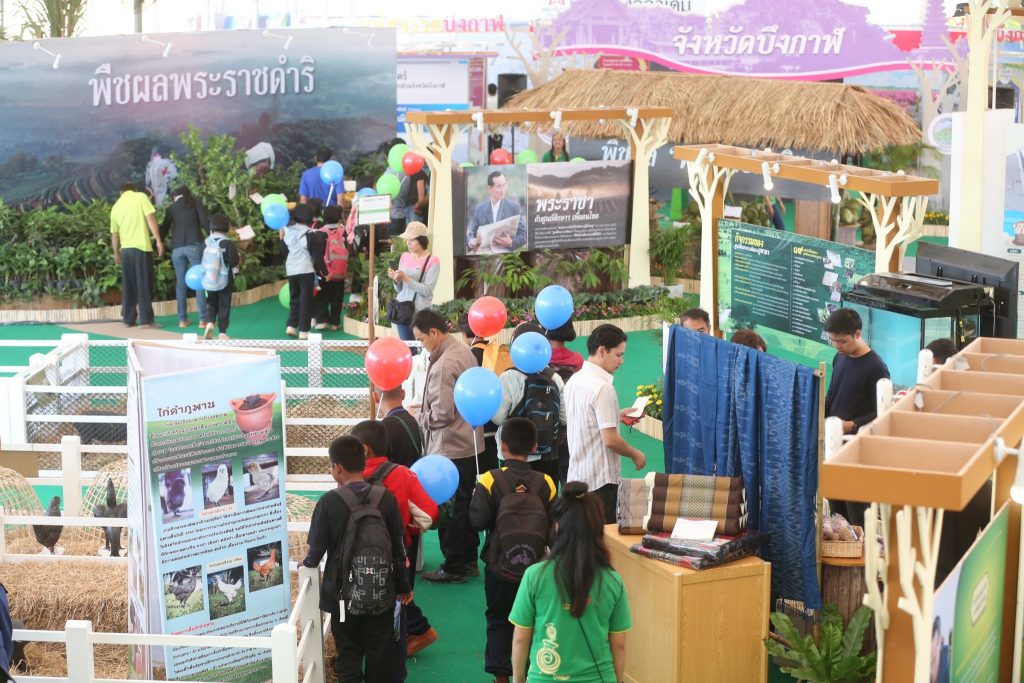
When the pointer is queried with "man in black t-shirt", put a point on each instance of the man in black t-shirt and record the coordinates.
(851, 396)
(856, 370)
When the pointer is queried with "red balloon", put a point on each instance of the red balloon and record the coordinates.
(500, 157)
(487, 316)
(388, 363)
(412, 163)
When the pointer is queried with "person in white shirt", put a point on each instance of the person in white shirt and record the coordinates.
(593, 416)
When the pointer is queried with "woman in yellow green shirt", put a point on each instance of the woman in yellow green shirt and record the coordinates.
(571, 614)
(559, 151)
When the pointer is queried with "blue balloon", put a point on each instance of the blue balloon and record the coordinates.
(366, 191)
(554, 306)
(531, 352)
(438, 476)
(332, 172)
(275, 216)
(194, 278)
(478, 395)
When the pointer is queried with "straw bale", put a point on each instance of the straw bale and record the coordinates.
(47, 594)
(300, 509)
(732, 110)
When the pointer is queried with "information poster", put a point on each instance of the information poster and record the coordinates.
(783, 280)
(214, 481)
(968, 611)
(542, 206)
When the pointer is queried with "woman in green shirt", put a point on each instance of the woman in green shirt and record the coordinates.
(571, 614)
(558, 151)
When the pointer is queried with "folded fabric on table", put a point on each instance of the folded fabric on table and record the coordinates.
(719, 548)
(689, 561)
(722, 499)
(632, 506)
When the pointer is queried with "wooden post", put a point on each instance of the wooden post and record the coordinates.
(709, 253)
(820, 376)
(71, 468)
(79, 651)
(371, 317)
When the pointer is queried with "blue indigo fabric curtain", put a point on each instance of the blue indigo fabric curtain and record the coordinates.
(732, 411)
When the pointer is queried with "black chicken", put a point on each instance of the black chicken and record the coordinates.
(49, 534)
(183, 584)
(175, 491)
(111, 535)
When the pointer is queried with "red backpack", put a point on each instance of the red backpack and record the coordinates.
(336, 253)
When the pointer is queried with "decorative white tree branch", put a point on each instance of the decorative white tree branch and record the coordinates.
(893, 230)
(876, 569)
(539, 72)
(917, 579)
(705, 180)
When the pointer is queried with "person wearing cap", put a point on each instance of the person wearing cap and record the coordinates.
(416, 275)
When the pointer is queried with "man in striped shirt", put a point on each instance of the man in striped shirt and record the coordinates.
(593, 415)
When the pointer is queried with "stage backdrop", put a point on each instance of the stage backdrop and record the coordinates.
(81, 115)
(541, 206)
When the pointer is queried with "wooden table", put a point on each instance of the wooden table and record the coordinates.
(702, 626)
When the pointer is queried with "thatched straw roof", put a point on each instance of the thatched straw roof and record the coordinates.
(748, 112)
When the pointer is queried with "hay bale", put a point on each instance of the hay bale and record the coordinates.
(47, 594)
(300, 509)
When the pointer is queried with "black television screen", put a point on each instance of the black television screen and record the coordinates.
(968, 266)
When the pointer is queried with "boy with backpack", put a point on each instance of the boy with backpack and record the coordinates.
(513, 505)
(418, 511)
(331, 298)
(220, 262)
(539, 398)
(359, 527)
(303, 250)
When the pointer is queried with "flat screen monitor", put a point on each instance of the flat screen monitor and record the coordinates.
(990, 271)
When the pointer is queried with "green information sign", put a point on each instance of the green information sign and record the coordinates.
(782, 280)
(968, 610)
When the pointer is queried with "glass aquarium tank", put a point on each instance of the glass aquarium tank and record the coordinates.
(903, 313)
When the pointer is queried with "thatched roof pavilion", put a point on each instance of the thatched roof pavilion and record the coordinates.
(748, 112)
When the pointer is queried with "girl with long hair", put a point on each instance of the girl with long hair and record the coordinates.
(571, 614)
(559, 150)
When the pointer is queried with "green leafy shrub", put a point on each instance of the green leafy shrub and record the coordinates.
(834, 658)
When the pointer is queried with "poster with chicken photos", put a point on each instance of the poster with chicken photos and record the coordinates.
(213, 451)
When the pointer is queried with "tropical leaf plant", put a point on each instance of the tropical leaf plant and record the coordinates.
(52, 18)
(834, 658)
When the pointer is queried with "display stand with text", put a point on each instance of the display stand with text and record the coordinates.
(208, 522)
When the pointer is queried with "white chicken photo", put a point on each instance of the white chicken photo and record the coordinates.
(226, 591)
(218, 488)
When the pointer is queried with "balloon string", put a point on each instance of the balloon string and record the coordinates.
(329, 193)
(476, 454)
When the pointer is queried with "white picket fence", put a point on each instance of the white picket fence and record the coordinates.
(305, 626)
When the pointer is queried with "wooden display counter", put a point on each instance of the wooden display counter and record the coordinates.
(701, 626)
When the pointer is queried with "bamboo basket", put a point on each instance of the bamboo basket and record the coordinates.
(844, 548)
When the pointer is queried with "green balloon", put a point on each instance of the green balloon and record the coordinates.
(395, 157)
(285, 296)
(577, 160)
(467, 164)
(271, 199)
(388, 184)
(527, 156)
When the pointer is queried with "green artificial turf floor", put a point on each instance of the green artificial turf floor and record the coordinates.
(455, 610)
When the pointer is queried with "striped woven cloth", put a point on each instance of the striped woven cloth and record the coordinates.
(672, 496)
(632, 506)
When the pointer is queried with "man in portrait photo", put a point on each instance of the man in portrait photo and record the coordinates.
(497, 224)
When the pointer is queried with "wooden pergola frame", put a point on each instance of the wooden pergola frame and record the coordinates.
(897, 202)
(432, 135)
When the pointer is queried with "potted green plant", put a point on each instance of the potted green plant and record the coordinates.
(669, 246)
(835, 657)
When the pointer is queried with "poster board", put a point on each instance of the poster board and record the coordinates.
(968, 607)
(562, 205)
(207, 483)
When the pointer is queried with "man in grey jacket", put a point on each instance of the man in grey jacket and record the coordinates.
(448, 434)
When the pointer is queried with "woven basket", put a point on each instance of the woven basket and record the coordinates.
(844, 548)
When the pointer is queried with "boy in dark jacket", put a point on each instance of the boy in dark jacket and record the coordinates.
(218, 304)
(518, 439)
(357, 637)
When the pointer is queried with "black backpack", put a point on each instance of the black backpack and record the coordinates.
(521, 528)
(541, 404)
(365, 574)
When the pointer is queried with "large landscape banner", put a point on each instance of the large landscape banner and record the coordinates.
(82, 115)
